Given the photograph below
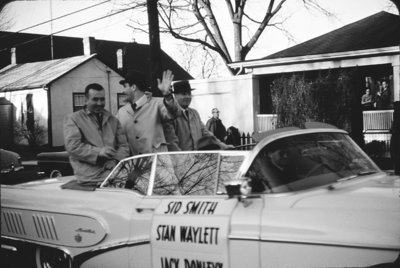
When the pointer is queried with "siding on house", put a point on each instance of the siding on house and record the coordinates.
(52, 84)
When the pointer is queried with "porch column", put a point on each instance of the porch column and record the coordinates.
(396, 82)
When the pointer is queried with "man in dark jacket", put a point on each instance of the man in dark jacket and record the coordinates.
(214, 124)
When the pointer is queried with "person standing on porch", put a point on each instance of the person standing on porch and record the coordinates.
(383, 98)
(366, 100)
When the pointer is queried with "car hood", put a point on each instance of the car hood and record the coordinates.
(374, 192)
(360, 212)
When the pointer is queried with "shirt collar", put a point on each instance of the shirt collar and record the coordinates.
(141, 101)
(183, 110)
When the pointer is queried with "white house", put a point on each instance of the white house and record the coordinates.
(370, 44)
(49, 90)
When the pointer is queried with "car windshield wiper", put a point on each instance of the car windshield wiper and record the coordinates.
(359, 174)
(366, 172)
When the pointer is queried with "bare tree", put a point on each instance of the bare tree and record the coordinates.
(5, 21)
(202, 21)
(196, 59)
(397, 4)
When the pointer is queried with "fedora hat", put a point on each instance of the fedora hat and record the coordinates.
(137, 78)
(181, 86)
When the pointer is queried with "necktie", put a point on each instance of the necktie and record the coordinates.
(134, 105)
(99, 118)
(187, 113)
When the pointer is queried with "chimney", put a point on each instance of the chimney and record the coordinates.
(13, 55)
(120, 60)
(88, 46)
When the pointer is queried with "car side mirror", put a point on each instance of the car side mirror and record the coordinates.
(238, 188)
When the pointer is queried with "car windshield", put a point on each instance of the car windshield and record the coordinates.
(305, 161)
(188, 173)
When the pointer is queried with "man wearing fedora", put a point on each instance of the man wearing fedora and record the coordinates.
(143, 116)
(184, 132)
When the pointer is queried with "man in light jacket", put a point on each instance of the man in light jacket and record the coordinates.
(143, 116)
(94, 139)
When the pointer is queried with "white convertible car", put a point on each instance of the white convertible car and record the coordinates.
(300, 198)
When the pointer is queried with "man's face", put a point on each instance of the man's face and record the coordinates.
(95, 100)
(129, 91)
(384, 85)
(184, 99)
(215, 113)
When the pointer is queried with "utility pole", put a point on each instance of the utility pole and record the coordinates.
(155, 48)
(51, 30)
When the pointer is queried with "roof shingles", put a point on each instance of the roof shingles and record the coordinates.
(37, 74)
(379, 30)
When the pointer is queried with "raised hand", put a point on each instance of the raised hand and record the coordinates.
(165, 84)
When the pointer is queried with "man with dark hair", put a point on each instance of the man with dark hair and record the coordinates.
(184, 133)
(94, 139)
(143, 116)
(383, 98)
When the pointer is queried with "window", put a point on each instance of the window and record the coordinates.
(228, 167)
(186, 174)
(121, 99)
(305, 161)
(133, 174)
(78, 101)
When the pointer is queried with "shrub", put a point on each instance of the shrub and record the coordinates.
(326, 98)
(33, 136)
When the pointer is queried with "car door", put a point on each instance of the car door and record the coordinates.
(191, 225)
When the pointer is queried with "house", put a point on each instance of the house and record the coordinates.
(43, 92)
(371, 45)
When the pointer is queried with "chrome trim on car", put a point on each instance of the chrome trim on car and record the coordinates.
(81, 258)
(311, 243)
(66, 251)
(45, 226)
(44, 223)
(152, 175)
(13, 221)
(7, 247)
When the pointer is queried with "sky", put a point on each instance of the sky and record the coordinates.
(301, 23)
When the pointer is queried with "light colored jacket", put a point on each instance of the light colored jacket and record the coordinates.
(144, 127)
(84, 140)
(183, 133)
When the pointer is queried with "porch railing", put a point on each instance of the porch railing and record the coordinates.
(377, 120)
(266, 122)
(376, 126)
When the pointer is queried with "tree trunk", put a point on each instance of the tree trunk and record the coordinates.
(237, 37)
